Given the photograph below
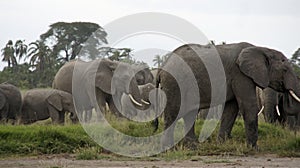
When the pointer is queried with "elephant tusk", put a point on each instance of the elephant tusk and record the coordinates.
(134, 101)
(261, 110)
(294, 95)
(145, 102)
(277, 110)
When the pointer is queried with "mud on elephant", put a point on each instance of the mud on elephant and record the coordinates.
(246, 66)
(41, 104)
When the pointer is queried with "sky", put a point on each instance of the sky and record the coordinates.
(268, 23)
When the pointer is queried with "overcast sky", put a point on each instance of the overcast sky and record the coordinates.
(270, 23)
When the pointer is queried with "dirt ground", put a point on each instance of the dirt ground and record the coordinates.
(66, 161)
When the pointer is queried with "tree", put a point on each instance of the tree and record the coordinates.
(68, 39)
(8, 54)
(158, 60)
(296, 57)
(39, 55)
(20, 49)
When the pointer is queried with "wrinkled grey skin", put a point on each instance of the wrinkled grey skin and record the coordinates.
(288, 107)
(246, 66)
(103, 78)
(40, 104)
(10, 102)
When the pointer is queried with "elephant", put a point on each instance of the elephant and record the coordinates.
(281, 107)
(245, 66)
(41, 104)
(104, 74)
(10, 102)
(146, 113)
(268, 101)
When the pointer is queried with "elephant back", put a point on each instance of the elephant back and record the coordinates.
(63, 78)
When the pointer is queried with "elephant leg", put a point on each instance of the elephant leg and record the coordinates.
(189, 126)
(55, 115)
(190, 140)
(113, 109)
(227, 120)
(244, 91)
(168, 135)
(61, 118)
(170, 119)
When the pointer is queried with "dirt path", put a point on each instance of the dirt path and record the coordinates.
(201, 161)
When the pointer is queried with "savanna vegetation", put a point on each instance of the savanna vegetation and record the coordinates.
(42, 138)
(34, 65)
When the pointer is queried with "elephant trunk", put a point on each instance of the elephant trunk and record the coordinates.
(134, 94)
(270, 103)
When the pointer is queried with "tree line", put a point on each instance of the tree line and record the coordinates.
(34, 64)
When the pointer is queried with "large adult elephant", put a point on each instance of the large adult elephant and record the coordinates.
(246, 66)
(41, 104)
(10, 102)
(100, 74)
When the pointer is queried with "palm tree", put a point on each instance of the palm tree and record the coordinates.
(39, 55)
(20, 49)
(8, 54)
(158, 60)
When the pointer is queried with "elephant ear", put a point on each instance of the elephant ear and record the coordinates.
(55, 100)
(2, 100)
(253, 62)
(104, 75)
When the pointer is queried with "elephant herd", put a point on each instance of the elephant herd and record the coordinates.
(125, 90)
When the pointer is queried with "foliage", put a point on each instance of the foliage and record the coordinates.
(45, 139)
(10, 52)
(160, 60)
(50, 139)
(68, 39)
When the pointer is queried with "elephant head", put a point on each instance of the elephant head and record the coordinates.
(143, 74)
(269, 68)
(63, 101)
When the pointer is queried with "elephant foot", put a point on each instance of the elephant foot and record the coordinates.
(253, 146)
(190, 143)
(223, 137)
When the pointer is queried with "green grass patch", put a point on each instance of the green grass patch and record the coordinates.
(54, 139)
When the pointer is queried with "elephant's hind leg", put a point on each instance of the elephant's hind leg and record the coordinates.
(190, 139)
(227, 120)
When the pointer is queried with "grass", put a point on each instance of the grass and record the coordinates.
(53, 139)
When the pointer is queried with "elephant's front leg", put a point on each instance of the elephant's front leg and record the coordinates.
(227, 120)
(57, 117)
(244, 91)
(189, 126)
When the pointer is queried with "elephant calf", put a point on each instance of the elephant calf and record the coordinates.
(40, 104)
